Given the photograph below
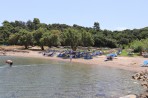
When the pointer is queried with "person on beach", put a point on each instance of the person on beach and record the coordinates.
(70, 57)
(10, 62)
(108, 58)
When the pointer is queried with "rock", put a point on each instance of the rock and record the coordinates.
(129, 96)
(144, 95)
(143, 78)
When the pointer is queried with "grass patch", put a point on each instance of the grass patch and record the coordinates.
(125, 53)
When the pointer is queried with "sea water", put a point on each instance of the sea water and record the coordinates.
(42, 78)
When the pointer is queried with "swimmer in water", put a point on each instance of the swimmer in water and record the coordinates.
(9, 62)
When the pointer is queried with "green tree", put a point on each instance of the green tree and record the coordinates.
(46, 39)
(87, 39)
(144, 34)
(37, 35)
(30, 25)
(36, 23)
(26, 38)
(71, 37)
(13, 39)
(4, 35)
(123, 41)
(110, 43)
(139, 45)
(99, 39)
(55, 37)
(52, 38)
(20, 24)
(5, 31)
(97, 26)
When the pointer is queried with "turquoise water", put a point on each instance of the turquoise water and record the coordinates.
(39, 78)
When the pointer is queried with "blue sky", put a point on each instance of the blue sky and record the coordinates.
(111, 14)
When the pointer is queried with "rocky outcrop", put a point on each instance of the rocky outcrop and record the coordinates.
(143, 78)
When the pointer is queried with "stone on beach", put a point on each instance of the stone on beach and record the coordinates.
(129, 96)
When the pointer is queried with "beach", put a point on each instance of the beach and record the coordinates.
(126, 63)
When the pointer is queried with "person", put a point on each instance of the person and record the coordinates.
(10, 62)
(70, 58)
(109, 58)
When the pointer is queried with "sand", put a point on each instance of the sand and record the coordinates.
(126, 63)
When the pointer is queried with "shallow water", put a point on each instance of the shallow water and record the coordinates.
(39, 78)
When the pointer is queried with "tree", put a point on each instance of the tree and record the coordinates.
(99, 40)
(30, 25)
(25, 38)
(52, 38)
(71, 37)
(55, 37)
(4, 36)
(144, 34)
(139, 45)
(111, 43)
(97, 26)
(20, 24)
(5, 31)
(124, 41)
(87, 39)
(37, 35)
(13, 38)
(36, 23)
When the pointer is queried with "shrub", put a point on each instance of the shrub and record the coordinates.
(139, 45)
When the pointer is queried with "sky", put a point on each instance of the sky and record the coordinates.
(111, 14)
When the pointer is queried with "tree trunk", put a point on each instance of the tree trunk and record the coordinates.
(74, 48)
(42, 47)
(26, 46)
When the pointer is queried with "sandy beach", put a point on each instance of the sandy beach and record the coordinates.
(126, 63)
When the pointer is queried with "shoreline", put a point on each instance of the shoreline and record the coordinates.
(125, 63)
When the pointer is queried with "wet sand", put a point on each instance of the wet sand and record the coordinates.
(126, 63)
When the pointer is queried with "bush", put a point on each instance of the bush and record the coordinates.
(138, 49)
(139, 45)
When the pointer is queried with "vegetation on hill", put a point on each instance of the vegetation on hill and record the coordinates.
(41, 34)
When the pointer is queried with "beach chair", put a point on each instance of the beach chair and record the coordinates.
(145, 63)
